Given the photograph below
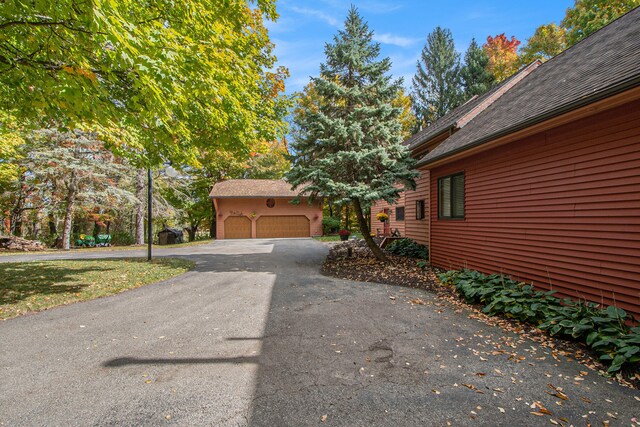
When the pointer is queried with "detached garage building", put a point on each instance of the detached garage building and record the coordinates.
(263, 208)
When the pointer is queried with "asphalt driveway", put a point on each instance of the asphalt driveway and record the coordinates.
(254, 335)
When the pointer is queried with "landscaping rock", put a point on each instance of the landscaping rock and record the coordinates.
(13, 243)
(350, 249)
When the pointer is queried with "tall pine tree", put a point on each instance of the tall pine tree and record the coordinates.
(436, 87)
(349, 146)
(475, 77)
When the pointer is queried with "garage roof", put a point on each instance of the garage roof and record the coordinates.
(234, 188)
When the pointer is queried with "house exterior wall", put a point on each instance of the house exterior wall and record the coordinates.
(560, 209)
(380, 206)
(254, 208)
(418, 229)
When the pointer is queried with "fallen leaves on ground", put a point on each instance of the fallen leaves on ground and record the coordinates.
(474, 388)
(402, 271)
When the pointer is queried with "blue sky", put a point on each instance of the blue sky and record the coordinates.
(401, 28)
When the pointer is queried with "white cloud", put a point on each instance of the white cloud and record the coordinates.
(317, 14)
(302, 58)
(392, 39)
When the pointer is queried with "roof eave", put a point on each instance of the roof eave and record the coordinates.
(582, 102)
(446, 130)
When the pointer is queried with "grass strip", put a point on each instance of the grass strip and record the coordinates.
(27, 287)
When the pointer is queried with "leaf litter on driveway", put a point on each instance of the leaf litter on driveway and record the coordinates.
(565, 399)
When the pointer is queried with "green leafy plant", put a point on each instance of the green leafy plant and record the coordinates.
(330, 225)
(408, 248)
(605, 330)
(620, 351)
(122, 238)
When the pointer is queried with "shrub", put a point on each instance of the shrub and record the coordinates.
(122, 238)
(603, 329)
(408, 248)
(344, 233)
(330, 224)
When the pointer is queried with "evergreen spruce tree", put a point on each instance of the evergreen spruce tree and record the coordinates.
(475, 77)
(349, 146)
(436, 86)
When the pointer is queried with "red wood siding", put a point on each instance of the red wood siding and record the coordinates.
(560, 209)
(380, 206)
(418, 229)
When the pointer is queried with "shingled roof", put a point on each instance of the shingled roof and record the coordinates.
(597, 67)
(235, 188)
(460, 116)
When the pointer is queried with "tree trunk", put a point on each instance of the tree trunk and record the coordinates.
(68, 216)
(347, 214)
(18, 209)
(140, 207)
(192, 231)
(52, 225)
(212, 230)
(16, 223)
(36, 227)
(366, 233)
(330, 208)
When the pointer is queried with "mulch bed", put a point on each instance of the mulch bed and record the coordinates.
(402, 271)
(399, 271)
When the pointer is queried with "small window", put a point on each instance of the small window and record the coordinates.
(400, 213)
(451, 196)
(419, 209)
(271, 203)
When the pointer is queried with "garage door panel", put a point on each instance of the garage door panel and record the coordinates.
(237, 227)
(283, 226)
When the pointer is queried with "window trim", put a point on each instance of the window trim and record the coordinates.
(400, 217)
(452, 197)
(420, 210)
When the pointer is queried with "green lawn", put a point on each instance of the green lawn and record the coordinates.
(335, 238)
(38, 285)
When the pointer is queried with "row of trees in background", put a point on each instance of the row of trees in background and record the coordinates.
(94, 93)
(69, 184)
(442, 81)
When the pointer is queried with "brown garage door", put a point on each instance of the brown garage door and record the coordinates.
(237, 227)
(282, 226)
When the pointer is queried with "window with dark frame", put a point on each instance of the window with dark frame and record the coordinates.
(419, 209)
(400, 213)
(451, 196)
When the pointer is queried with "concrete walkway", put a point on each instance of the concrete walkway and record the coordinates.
(255, 336)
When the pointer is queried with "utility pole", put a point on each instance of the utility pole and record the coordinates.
(149, 213)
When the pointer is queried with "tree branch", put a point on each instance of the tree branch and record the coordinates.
(46, 24)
